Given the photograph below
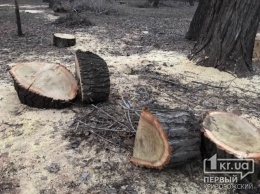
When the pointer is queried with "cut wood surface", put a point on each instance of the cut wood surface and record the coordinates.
(166, 138)
(230, 136)
(63, 40)
(93, 75)
(256, 53)
(44, 85)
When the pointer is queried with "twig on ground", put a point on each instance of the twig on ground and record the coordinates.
(128, 106)
(130, 109)
(109, 116)
(77, 126)
(159, 78)
(222, 92)
(102, 137)
(206, 84)
(102, 128)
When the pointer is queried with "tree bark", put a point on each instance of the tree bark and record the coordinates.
(227, 36)
(18, 19)
(191, 2)
(166, 138)
(198, 20)
(93, 76)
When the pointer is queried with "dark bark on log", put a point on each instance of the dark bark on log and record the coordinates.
(198, 20)
(93, 75)
(63, 40)
(166, 138)
(227, 36)
(18, 19)
(38, 101)
(226, 135)
(32, 92)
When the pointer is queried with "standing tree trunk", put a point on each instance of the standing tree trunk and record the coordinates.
(227, 36)
(198, 20)
(191, 2)
(18, 19)
(154, 3)
(51, 3)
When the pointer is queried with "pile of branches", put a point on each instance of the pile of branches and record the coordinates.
(72, 20)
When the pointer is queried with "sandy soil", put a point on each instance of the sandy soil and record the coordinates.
(57, 151)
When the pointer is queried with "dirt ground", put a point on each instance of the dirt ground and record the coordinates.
(86, 149)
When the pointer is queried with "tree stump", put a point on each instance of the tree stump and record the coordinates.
(231, 136)
(256, 52)
(93, 76)
(166, 138)
(44, 85)
(63, 40)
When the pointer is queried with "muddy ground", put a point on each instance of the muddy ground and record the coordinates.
(68, 151)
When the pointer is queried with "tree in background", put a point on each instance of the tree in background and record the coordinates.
(227, 36)
(154, 3)
(191, 2)
(18, 19)
(198, 20)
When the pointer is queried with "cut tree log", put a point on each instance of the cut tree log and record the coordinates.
(256, 52)
(93, 76)
(63, 40)
(231, 136)
(44, 85)
(166, 138)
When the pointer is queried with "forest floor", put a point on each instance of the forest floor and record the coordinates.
(64, 151)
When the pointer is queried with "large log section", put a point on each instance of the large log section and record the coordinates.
(44, 85)
(93, 76)
(166, 138)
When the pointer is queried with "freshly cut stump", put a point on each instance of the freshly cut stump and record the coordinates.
(63, 40)
(256, 52)
(93, 76)
(166, 138)
(231, 136)
(44, 85)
